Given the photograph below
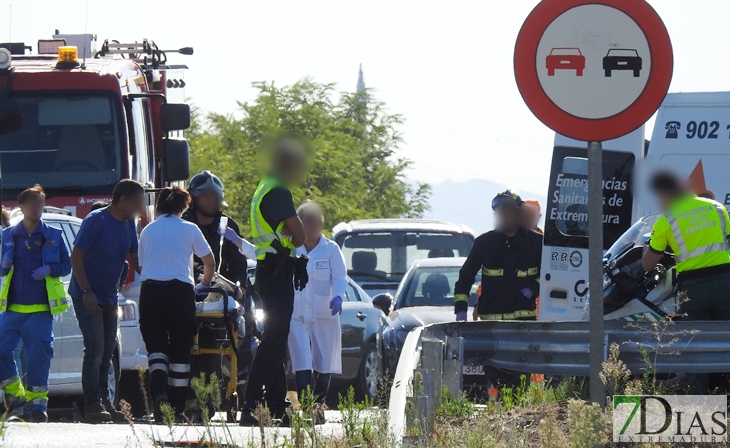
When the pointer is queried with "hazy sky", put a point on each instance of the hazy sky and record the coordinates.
(446, 66)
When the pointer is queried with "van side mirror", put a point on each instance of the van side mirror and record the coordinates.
(175, 160)
(174, 117)
(383, 302)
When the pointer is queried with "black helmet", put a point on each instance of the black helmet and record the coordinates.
(507, 198)
(204, 181)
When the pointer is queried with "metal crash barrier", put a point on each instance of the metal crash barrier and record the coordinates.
(433, 356)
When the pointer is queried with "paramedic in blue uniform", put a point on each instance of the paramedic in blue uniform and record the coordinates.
(34, 257)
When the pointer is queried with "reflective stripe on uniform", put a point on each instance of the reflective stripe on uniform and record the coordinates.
(461, 298)
(493, 272)
(182, 368)
(533, 271)
(509, 316)
(157, 361)
(27, 309)
(178, 382)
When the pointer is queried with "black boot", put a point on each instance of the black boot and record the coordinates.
(248, 420)
(39, 416)
(117, 416)
(95, 413)
(304, 381)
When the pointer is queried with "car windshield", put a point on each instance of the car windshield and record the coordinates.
(633, 236)
(622, 53)
(434, 286)
(565, 52)
(64, 141)
(384, 257)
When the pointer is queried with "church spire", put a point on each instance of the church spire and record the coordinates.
(360, 81)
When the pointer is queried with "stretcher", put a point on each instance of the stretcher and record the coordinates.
(220, 325)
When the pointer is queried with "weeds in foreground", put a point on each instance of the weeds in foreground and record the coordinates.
(357, 429)
(458, 407)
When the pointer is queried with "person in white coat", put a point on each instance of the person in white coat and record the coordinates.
(315, 344)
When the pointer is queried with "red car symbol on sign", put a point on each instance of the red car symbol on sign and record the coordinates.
(565, 59)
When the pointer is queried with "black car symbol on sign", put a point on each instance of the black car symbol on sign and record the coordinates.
(622, 59)
(672, 127)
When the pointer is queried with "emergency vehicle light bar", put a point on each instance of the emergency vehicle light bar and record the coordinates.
(50, 46)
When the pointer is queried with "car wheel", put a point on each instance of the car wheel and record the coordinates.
(608, 73)
(637, 73)
(369, 373)
(114, 379)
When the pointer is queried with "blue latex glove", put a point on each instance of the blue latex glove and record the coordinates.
(527, 292)
(461, 316)
(7, 263)
(41, 273)
(230, 235)
(199, 289)
(336, 305)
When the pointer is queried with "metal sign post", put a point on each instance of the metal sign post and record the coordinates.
(593, 71)
(595, 268)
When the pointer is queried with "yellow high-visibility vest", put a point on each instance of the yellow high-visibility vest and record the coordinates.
(263, 233)
(696, 229)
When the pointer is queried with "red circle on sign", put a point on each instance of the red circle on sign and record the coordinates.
(599, 129)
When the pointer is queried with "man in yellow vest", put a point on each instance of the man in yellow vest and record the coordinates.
(277, 232)
(696, 230)
(34, 257)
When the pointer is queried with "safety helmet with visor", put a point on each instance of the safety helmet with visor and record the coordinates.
(205, 181)
(507, 199)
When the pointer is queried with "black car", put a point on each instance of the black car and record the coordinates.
(425, 296)
(622, 59)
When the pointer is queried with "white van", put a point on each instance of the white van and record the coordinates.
(564, 268)
(691, 137)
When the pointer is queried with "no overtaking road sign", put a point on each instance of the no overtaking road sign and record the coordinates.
(593, 70)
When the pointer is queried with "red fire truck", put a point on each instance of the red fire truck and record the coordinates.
(77, 125)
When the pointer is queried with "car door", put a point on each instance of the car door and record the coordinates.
(72, 357)
(55, 377)
(353, 322)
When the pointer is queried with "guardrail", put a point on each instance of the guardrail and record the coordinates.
(433, 356)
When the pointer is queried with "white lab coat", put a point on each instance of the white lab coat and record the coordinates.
(315, 338)
(247, 249)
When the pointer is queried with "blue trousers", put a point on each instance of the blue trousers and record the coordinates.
(36, 332)
(100, 340)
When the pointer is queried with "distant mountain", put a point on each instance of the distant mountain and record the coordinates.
(470, 202)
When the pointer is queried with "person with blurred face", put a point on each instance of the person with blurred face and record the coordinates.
(315, 337)
(107, 236)
(206, 211)
(277, 232)
(531, 215)
(696, 229)
(509, 259)
(34, 257)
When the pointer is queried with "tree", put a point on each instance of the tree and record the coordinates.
(354, 172)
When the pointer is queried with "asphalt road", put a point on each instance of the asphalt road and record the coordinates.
(144, 435)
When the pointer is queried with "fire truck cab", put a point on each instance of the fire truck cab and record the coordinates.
(77, 125)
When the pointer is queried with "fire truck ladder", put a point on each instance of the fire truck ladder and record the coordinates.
(147, 52)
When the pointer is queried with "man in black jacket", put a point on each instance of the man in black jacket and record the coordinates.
(207, 191)
(509, 258)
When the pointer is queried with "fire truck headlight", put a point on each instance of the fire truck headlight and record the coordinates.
(4, 59)
(68, 55)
